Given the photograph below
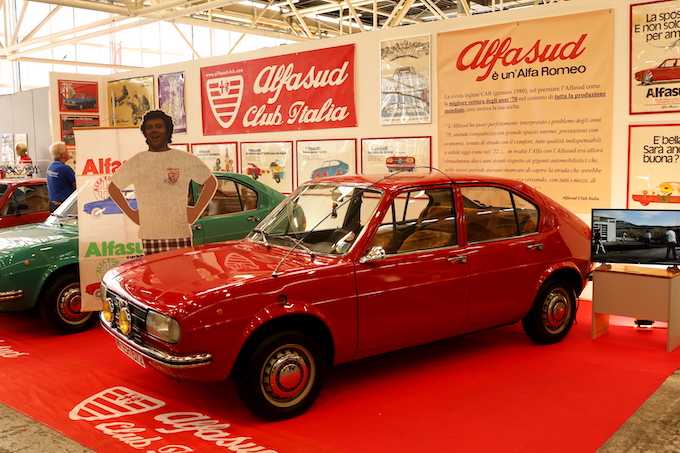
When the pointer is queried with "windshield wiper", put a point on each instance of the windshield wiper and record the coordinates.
(264, 237)
(298, 243)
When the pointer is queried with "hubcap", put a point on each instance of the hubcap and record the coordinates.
(287, 375)
(70, 304)
(556, 310)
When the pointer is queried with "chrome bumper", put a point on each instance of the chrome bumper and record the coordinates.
(172, 361)
(9, 295)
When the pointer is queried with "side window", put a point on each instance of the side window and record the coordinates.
(230, 198)
(26, 200)
(418, 220)
(495, 213)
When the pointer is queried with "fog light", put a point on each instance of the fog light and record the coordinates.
(107, 310)
(124, 323)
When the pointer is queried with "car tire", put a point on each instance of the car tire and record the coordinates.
(97, 213)
(283, 376)
(647, 78)
(552, 313)
(60, 305)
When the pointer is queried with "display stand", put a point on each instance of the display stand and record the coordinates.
(637, 292)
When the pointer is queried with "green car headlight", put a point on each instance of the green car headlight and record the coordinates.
(163, 327)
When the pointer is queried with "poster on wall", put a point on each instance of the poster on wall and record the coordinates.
(405, 81)
(387, 155)
(218, 156)
(171, 99)
(182, 146)
(654, 163)
(271, 163)
(130, 99)
(655, 57)
(321, 158)
(531, 101)
(78, 95)
(299, 91)
(70, 123)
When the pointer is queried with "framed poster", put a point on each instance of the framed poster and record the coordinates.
(217, 156)
(130, 99)
(171, 99)
(381, 155)
(405, 81)
(269, 162)
(182, 146)
(69, 123)
(653, 165)
(321, 158)
(654, 57)
(78, 95)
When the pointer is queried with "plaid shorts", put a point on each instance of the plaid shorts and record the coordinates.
(151, 246)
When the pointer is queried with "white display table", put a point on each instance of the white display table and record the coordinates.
(636, 292)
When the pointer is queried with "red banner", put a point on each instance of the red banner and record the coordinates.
(305, 90)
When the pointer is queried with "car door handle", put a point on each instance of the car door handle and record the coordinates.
(254, 218)
(535, 247)
(456, 259)
(196, 227)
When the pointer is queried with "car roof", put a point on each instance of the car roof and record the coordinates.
(23, 181)
(395, 181)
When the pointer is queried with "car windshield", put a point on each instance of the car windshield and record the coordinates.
(319, 218)
(66, 213)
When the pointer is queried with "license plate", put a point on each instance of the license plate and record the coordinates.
(134, 355)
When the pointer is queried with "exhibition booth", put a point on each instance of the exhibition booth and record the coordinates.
(572, 98)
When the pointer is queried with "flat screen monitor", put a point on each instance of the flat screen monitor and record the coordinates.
(635, 236)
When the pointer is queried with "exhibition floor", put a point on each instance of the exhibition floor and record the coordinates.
(473, 393)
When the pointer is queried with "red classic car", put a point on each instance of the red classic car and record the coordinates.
(668, 70)
(23, 201)
(345, 268)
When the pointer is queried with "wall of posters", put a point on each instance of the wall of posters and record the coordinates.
(304, 90)
(271, 163)
(321, 158)
(405, 81)
(218, 156)
(171, 99)
(655, 57)
(387, 155)
(130, 99)
(531, 101)
(653, 180)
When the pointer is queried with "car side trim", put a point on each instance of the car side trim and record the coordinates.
(196, 360)
(9, 295)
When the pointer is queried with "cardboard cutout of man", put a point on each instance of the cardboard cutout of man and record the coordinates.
(161, 178)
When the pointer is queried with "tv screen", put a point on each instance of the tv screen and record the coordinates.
(635, 236)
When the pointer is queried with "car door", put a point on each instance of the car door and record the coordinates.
(420, 290)
(231, 214)
(504, 252)
(25, 204)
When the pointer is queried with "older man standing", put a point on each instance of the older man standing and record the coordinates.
(61, 179)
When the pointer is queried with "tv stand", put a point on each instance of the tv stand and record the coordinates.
(636, 292)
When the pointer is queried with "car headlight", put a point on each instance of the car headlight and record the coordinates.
(163, 327)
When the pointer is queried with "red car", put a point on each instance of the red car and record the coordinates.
(668, 70)
(345, 268)
(23, 201)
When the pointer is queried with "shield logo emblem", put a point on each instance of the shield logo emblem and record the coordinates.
(173, 174)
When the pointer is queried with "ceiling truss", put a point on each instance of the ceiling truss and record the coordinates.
(295, 20)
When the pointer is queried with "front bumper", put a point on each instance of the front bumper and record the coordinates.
(157, 356)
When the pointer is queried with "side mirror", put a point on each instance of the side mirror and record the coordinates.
(376, 253)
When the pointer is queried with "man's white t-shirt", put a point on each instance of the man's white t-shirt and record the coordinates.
(161, 182)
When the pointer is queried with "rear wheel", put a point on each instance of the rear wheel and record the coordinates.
(61, 304)
(283, 376)
(552, 314)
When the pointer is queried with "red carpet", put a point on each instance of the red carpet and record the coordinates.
(479, 393)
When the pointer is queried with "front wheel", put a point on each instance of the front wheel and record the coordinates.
(552, 314)
(283, 376)
(61, 304)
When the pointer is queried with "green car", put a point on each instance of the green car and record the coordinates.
(39, 262)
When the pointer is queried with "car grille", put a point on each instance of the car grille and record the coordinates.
(137, 316)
